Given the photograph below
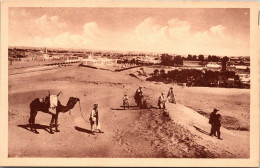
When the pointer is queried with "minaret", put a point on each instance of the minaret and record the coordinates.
(45, 54)
(45, 50)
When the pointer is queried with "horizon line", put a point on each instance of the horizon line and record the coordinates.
(158, 52)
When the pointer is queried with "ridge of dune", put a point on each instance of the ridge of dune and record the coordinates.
(198, 125)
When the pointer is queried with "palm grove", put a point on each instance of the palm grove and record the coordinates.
(196, 77)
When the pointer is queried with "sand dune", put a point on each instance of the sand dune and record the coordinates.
(131, 133)
(235, 143)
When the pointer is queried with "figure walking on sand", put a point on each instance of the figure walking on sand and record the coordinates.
(139, 96)
(212, 121)
(94, 119)
(125, 101)
(170, 96)
(218, 125)
(162, 101)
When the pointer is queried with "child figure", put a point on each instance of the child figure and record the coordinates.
(170, 96)
(161, 101)
(125, 101)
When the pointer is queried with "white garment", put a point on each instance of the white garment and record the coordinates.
(41, 100)
(125, 101)
(171, 96)
(125, 98)
(94, 123)
(162, 99)
(53, 101)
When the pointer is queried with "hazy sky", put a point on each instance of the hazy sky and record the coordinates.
(173, 30)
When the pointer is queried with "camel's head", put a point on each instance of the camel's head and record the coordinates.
(75, 99)
(72, 101)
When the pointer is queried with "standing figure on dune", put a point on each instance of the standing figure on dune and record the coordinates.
(139, 96)
(212, 121)
(162, 101)
(170, 96)
(94, 119)
(125, 101)
(218, 125)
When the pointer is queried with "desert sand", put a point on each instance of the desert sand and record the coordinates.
(133, 133)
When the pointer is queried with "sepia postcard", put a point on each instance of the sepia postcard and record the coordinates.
(129, 83)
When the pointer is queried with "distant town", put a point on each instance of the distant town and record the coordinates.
(232, 71)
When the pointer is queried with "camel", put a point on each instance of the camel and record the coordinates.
(43, 106)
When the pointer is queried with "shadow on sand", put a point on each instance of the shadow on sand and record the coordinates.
(126, 108)
(133, 108)
(83, 130)
(200, 130)
(37, 126)
(130, 106)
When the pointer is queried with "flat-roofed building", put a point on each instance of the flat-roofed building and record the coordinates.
(213, 66)
(242, 69)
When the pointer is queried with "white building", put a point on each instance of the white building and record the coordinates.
(45, 54)
(89, 61)
(242, 69)
(99, 61)
(72, 59)
(244, 78)
(213, 66)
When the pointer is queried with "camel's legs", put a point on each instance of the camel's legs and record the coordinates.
(32, 121)
(34, 124)
(56, 123)
(51, 123)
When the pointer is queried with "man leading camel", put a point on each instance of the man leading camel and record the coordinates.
(94, 119)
